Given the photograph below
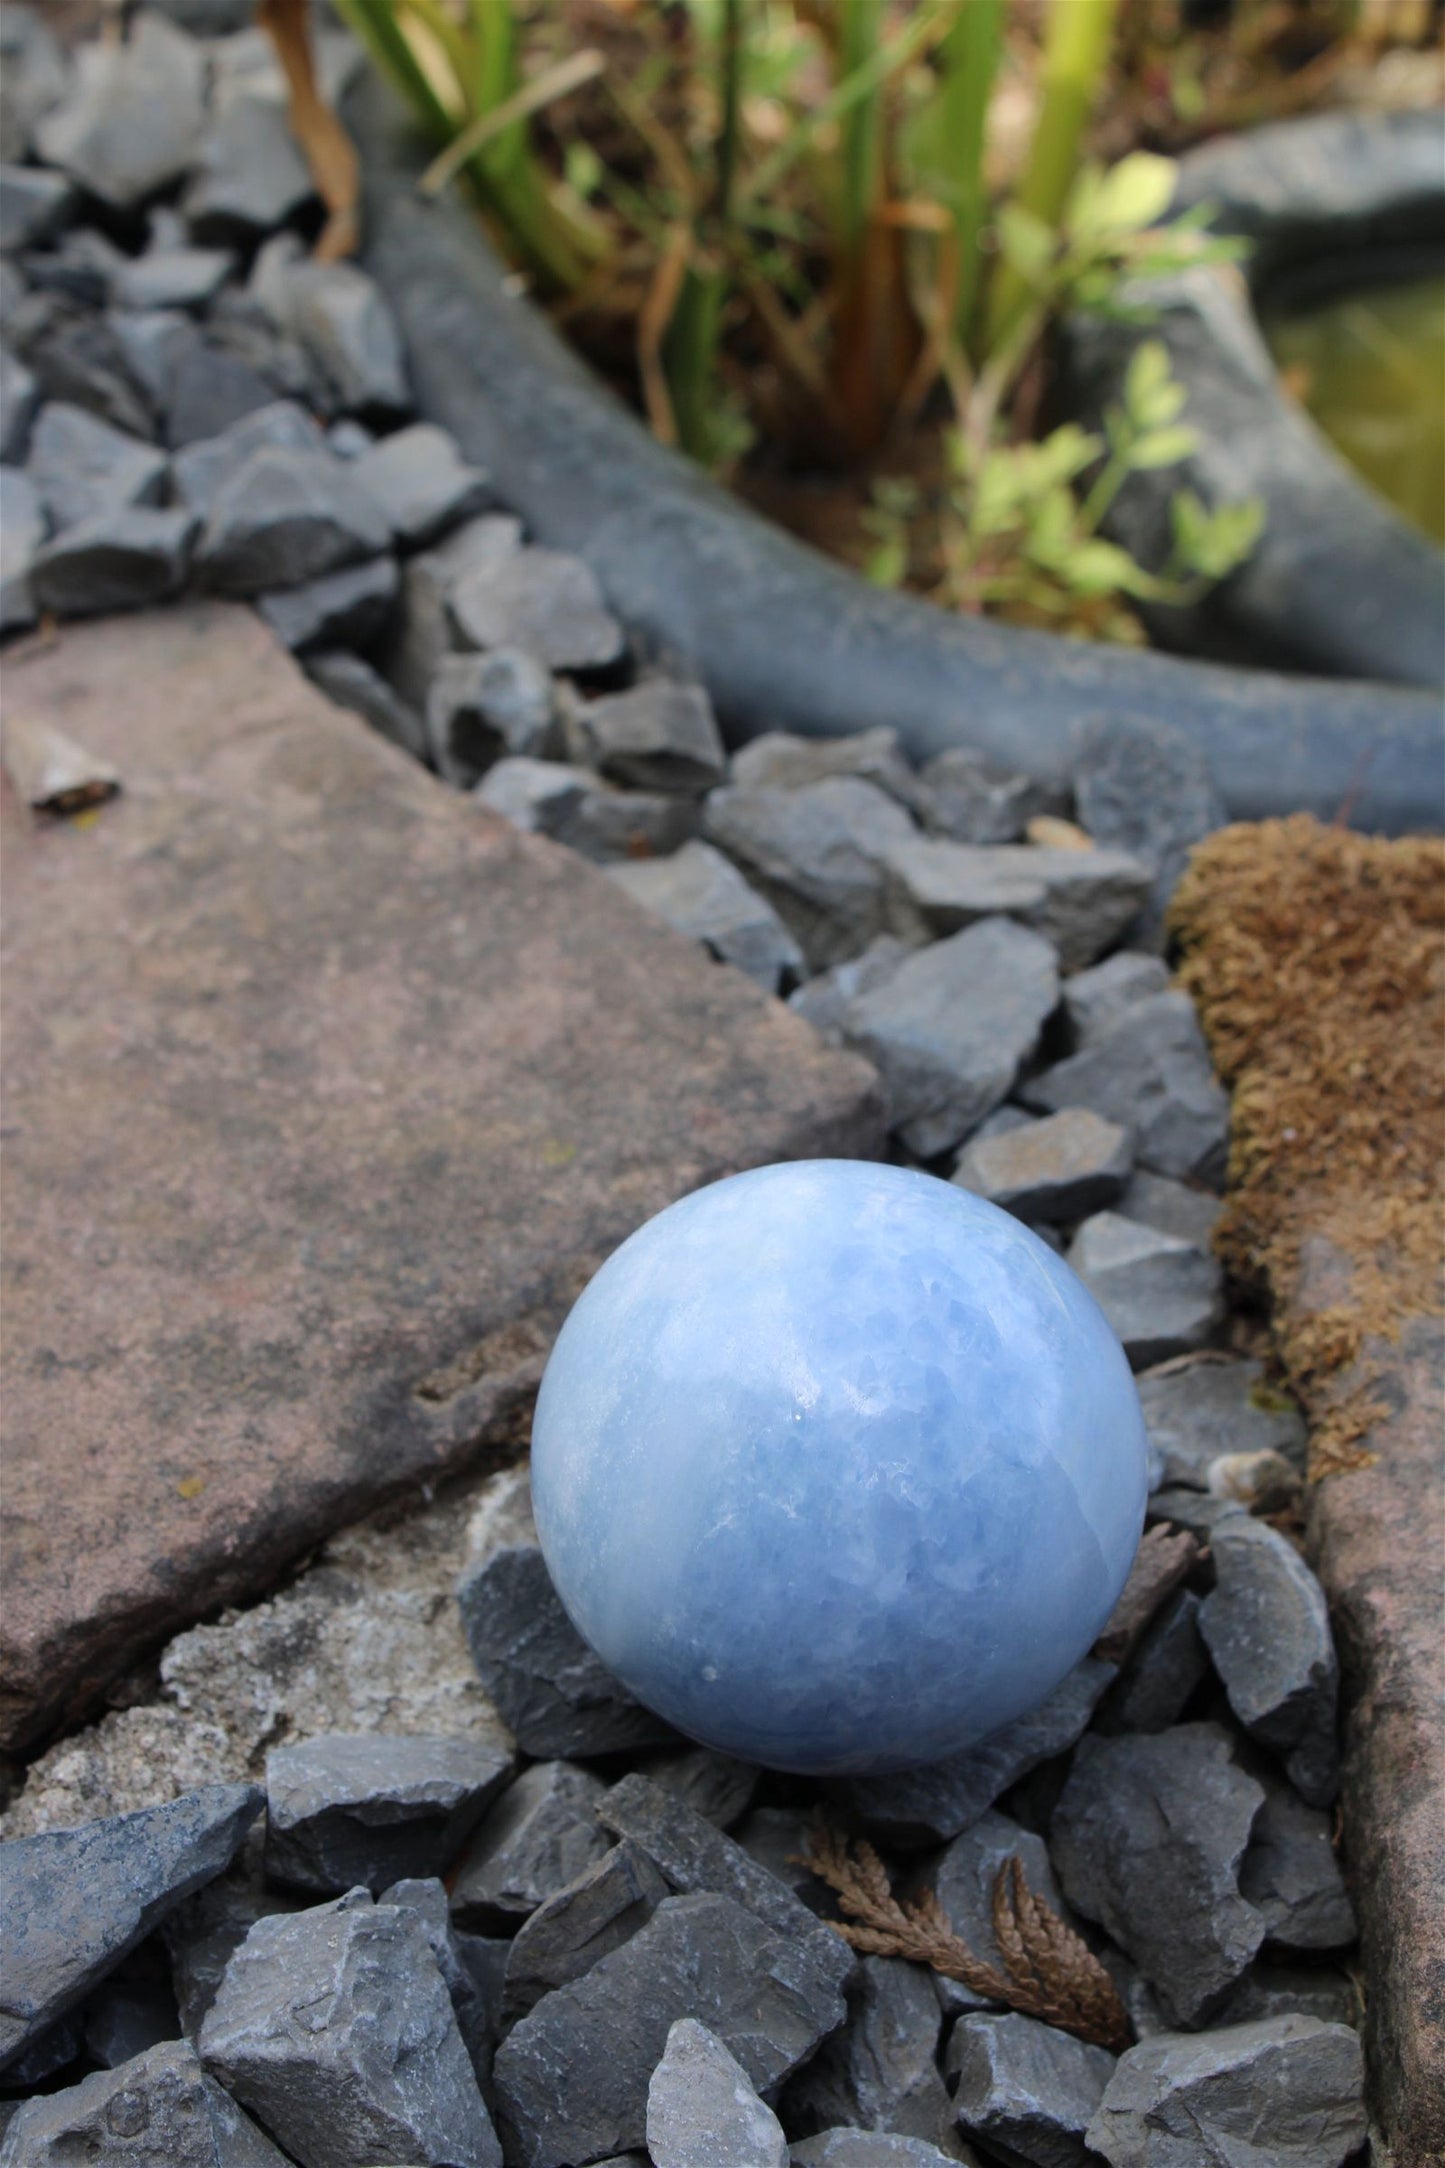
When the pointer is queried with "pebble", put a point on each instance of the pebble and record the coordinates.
(351, 608)
(286, 517)
(542, 601)
(879, 2070)
(1267, 1628)
(951, 1028)
(1162, 1296)
(1150, 1071)
(158, 2108)
(34, 76)
(22, 531)
(556, 1696)
(1025, 2088)
(1291, 1875)
(871, 2149)
(1173, 1207)
(172, 278)
(1293, 2084)
(572, 2077)
(352, 683)
(702, 2111)
(964, 1877)
(482, 708)
(704, 896)
(133, 2011)
(471, 1966)
(133, 118)
(1160, 1678)
(78, 359)
(76, 1901)
(1081, 900)
(348, 1810)
(1270, 1990)
(334, 2026)
(824, 1000)
(341, 319)
(715, 1786)
(201, 470)
(34, 206)
(1057, 1169)
(123, 558)
(922, 1807)
(422, 483)
(202, 1936)
(971, 799)
(779, 761)
(1147, 1840)
(540, 796)
(19, 398)
(659, 735)
(1198, 1415)
(816, 853)
(81, 468)
(1095, 999)
(1145, 787)
(541, 1834)
(248, 176)
(426, 633)
(592, 1915)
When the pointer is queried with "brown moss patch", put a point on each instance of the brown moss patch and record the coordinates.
(1316, 959)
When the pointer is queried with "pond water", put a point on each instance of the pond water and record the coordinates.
(1370, 367)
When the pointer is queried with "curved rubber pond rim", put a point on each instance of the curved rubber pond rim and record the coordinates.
(781, 637)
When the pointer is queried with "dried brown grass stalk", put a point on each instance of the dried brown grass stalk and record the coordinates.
(1048, 1972)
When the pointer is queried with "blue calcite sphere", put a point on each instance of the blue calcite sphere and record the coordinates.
(838, 1467)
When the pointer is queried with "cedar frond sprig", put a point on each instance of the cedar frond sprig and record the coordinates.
(1048, 1972)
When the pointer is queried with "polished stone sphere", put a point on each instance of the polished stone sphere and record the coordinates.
(838, 1467)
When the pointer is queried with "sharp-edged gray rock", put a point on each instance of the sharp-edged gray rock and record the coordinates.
(1267, 1628)
(422, 483)
(825, 1000)
(715, 1786)
(1147, 1839)
(352, 683)
(19, 398)
(953, 1025)
(1150, 1071)
(576, 1926)
(426, 634)
(22, 531)
(336, 2029)
(557, 1697)
(344, 322)
(133, 118)
(779, 761)
(1291, 1875)
(1269, 1990)
(1056, 1169)
(540, 796)
(248, 176)
(879, 2070)
(872, 2149)
(483, 708)
(34, 206)
(541, 1834)
(1163, 1672)
(285, 517)
(702, 2110)
(1199, 1511)
(1026, 2089)
(1198, 1415)
(1286, 2091)
(78, 359)
(76, 1901)
(120, 559)
(131, 2012)
(80, 467)
(209, 389)
(659, 735)
(1081, 900)
(349, 438)
(704, 896)
(1157, 1201)
(361, 1810)
(203, 1935)
(543, 601)
(172, 278)
(351, 608)
(1095, 999)
(1162, 1296)
(777, 1838)
(920, 1807)
(34, 76)
(964, 1878)
(471, 1966)
(695, 1857)
(201, 470)
(572, 2077)
(970, 799)
(159, 2110)
(1145, 787)
(816, 853)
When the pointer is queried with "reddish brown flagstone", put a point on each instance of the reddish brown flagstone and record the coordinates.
(324, 1091)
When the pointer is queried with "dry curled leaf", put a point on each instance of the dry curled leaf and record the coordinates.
(1161, 1562)
(50, 771)
(328, 149)
(1048, 1971)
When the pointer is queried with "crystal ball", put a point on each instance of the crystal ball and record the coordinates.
(837, 1467)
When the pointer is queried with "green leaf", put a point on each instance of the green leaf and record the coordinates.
(1212, 544)
(1151, 396)
(1026, 242)
(1163, 447)
(1133, 194)
(888, 562)
(1102, 568)
(1051, 529)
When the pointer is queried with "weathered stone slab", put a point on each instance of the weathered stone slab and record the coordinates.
(325, 1091)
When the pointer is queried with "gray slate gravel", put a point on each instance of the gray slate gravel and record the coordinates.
(348, 609)
(1267, 1628)
(1150, 1071)
(34, 205)
(1166, 1668)
(352, 683)
(365, 1809)
(19, 398)
(1145, 787)
(1197, 1415)
(1057, 1169)
(1286, 2091)
(542, 601)
(249, 175)
(780, 761)
(971, 799)
(422, 483)
(482, 708)
(702, 2111)
(22, 531)
(160, 2110)
(74, 1902)
(1027, 2090)
(286, 517)
(201, 470)
(816, 852)
(1095, 999)
(596, 1912)
(1162, 1296)
(133, 118)
(1291, 1875)
(879, 2070)
(659, 735)
(1081, 900)
(124, 558)
(539, 1836)
(704, 896)
(80, 466)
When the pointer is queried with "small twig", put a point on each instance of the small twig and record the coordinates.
(545, 87)
(653, 319)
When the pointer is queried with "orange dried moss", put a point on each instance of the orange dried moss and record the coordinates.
(1317, 962)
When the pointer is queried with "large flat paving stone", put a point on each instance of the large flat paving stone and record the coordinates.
(325, 1091)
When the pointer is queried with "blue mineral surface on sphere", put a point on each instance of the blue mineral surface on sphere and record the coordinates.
(838, 1467)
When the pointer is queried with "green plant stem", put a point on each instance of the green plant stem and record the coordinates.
(689, 356)
(730, 70)
(374, 23)
(1076, 52)
(970, 50)
(858, 45)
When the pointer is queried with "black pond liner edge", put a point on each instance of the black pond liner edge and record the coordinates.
(785, 639)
